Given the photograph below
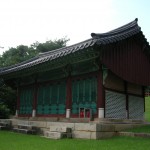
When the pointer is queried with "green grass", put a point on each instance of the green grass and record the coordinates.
(14, 141)
(147, 109)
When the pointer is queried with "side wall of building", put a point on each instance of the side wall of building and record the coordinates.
(123, 99)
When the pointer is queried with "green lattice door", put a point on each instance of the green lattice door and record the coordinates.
(51, 99)
(84, 94)
(26, 101)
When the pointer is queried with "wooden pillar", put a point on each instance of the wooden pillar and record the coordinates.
(68, 96)
(18, 101)
(35, 99)
(127, 99)
(143, 95)
(100, 94)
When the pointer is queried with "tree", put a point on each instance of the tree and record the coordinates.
(50, 45)
(22, 52)
(8, 97)
(16, 55)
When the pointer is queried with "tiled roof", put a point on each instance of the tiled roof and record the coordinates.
(118, 34)
(48, 56)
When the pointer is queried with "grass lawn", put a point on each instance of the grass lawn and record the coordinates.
(15, 141)
(147, 108)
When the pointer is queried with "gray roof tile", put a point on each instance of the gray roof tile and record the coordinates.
(118, 34)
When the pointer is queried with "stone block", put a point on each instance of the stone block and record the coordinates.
(103, 135)
(40, 124)
(81, 134)
(60, 129)
(121, 127)
(5, 123)
(85, 127)
(80, 120)
(92, 135)
(45, 132)
(52, 119)
(105, 127)
(14, 122)
(94, 127)
(25, 122)
(60, 124)
(55, 135)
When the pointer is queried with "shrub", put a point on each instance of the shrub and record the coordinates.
(4, 111)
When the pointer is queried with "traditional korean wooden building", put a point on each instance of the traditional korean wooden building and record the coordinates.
(106, 74)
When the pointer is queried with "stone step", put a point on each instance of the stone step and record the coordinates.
(3, 128)
(57, 135)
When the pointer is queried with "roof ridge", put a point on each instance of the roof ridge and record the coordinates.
(117, 30)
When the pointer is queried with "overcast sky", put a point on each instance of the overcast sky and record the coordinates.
(27, 21)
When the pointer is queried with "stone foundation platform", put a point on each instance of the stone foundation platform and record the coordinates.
(98, 129)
